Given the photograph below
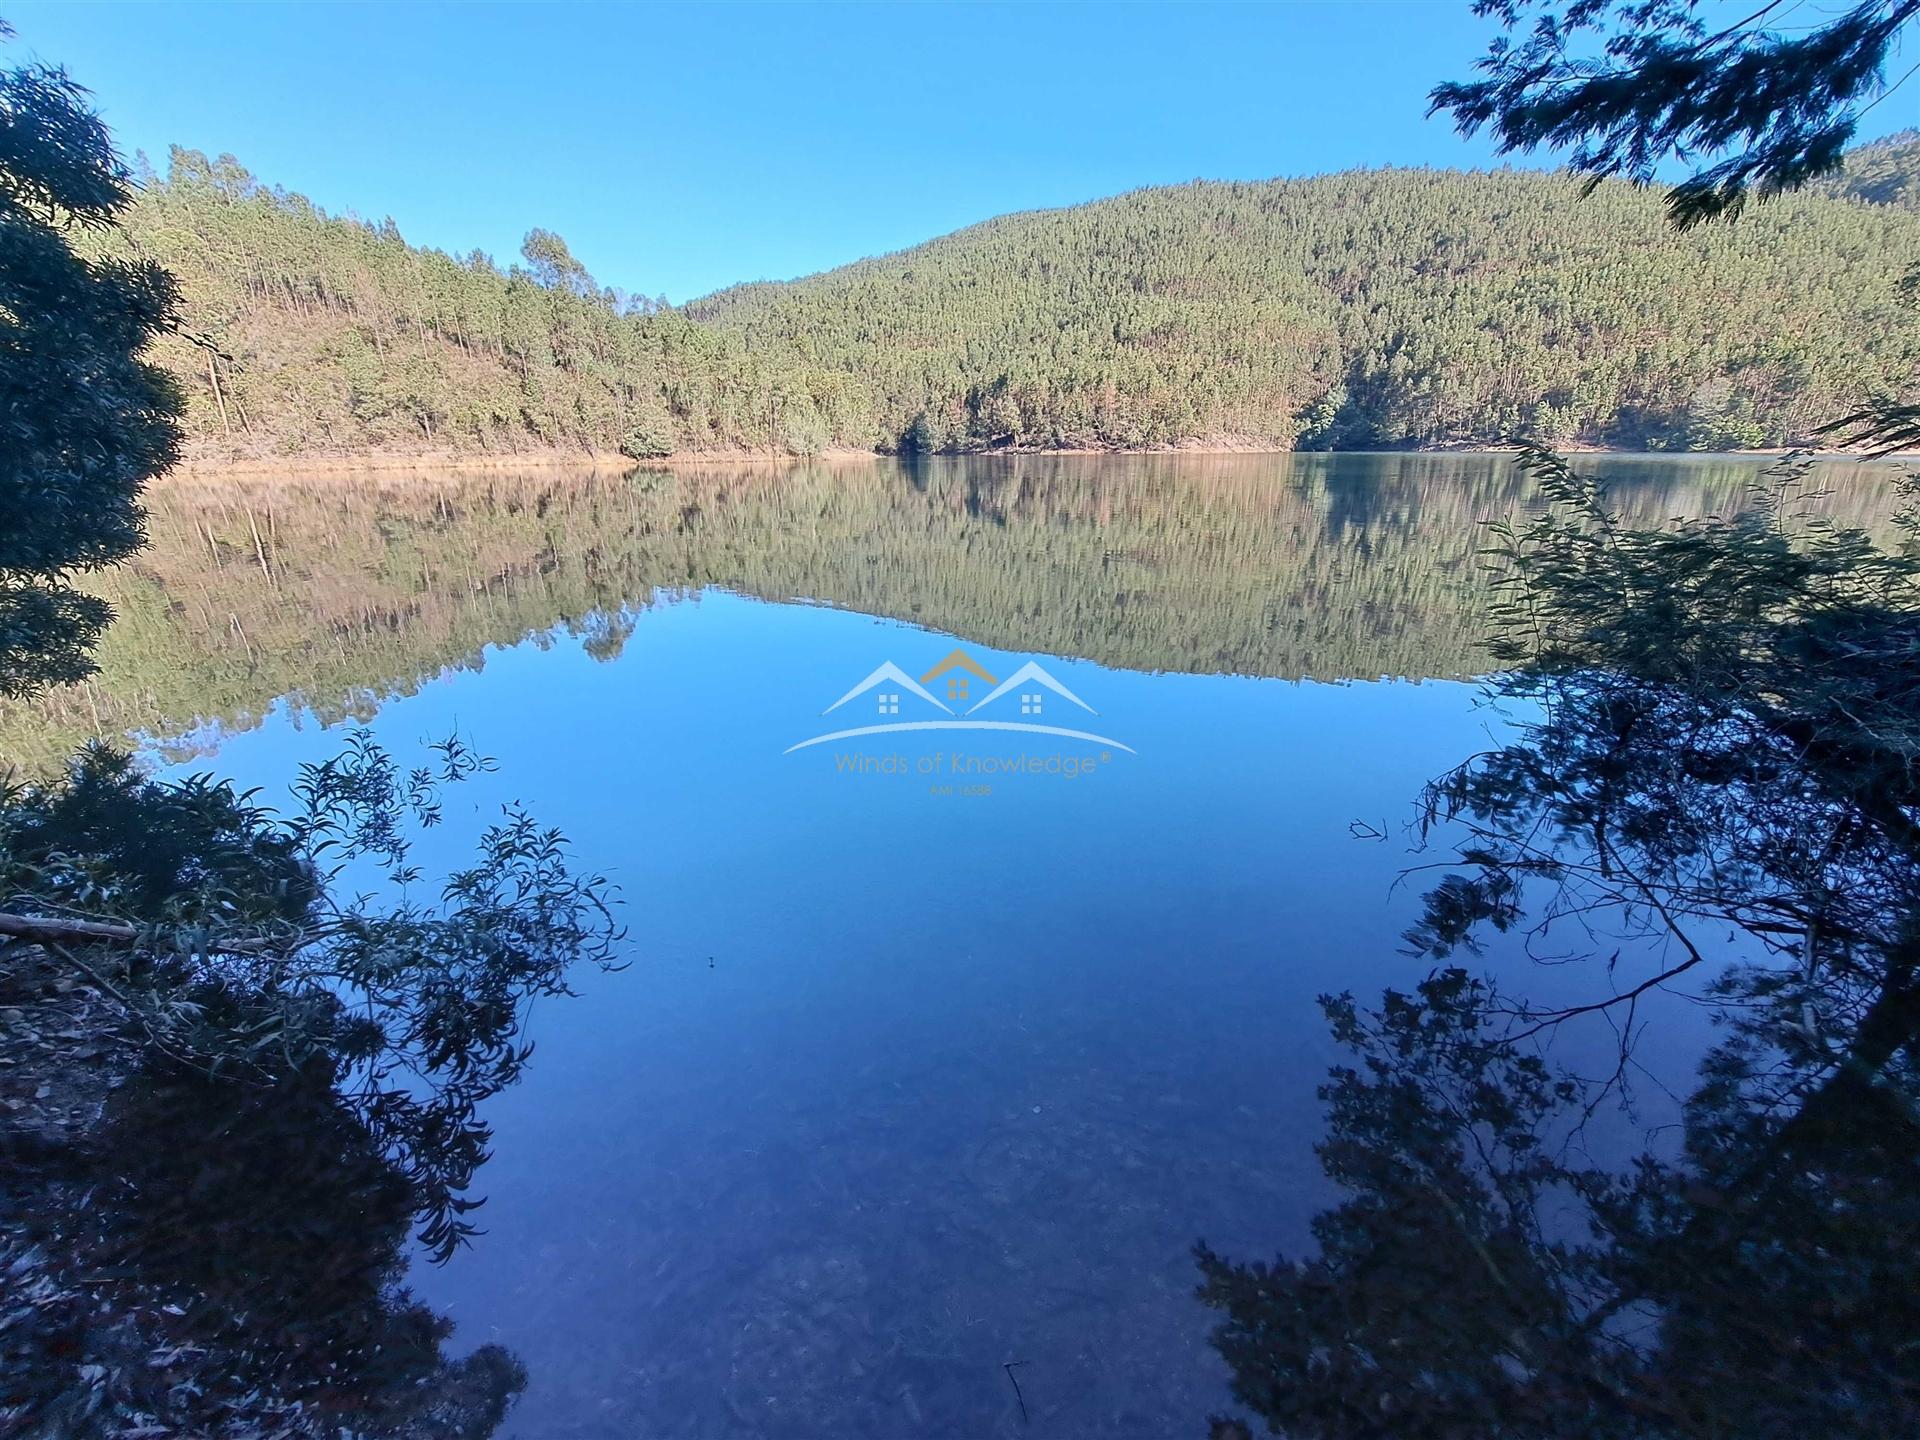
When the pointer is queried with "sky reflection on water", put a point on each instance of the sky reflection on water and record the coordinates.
(904, 1085)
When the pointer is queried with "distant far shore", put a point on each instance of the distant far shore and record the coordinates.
(462, 462)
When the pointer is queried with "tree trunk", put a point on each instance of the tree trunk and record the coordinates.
(213, 374)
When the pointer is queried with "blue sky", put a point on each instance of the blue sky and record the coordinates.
(680, 149)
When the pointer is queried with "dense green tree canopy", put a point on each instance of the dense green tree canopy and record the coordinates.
(335, 336)
(1887, 172)
(1631, 84)
(1368, 309)
(86, 421)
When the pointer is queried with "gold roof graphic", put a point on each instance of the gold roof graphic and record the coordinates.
(958, 660)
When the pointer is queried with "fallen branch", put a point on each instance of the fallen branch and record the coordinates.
(44, 928)
(53, 930)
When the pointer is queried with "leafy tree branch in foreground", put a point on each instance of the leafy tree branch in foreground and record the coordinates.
(1626, 85)
(86, 420)
(1717, 735)
(238, 1090)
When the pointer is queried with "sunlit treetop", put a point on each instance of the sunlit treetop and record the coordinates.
(56, 157)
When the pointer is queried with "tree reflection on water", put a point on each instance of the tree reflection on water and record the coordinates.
(236, 1092)
(1729, 724)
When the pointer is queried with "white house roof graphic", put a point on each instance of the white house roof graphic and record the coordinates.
(1031, 673)
(887, 674)
(891, 682)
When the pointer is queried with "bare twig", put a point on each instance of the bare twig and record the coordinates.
(1009, 1367)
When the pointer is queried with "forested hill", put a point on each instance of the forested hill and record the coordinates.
(315, 335)
(1886, 172)
(1367, 309)
(1378, 308)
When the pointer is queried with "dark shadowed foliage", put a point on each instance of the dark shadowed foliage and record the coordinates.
(86, 422)
(1627, 84)
(243, 959)
(1716, 774)
(226, 1259)
(1481, 1279)
(231, 1093)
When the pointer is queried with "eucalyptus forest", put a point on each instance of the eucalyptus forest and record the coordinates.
(1375, 309)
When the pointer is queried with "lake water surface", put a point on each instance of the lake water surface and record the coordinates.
(940, 1046)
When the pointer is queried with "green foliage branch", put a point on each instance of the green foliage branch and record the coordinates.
(85, 420)
(245, 958)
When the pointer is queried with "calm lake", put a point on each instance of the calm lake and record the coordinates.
(943, 1040)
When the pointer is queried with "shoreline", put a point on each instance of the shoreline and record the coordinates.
(208, 467)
